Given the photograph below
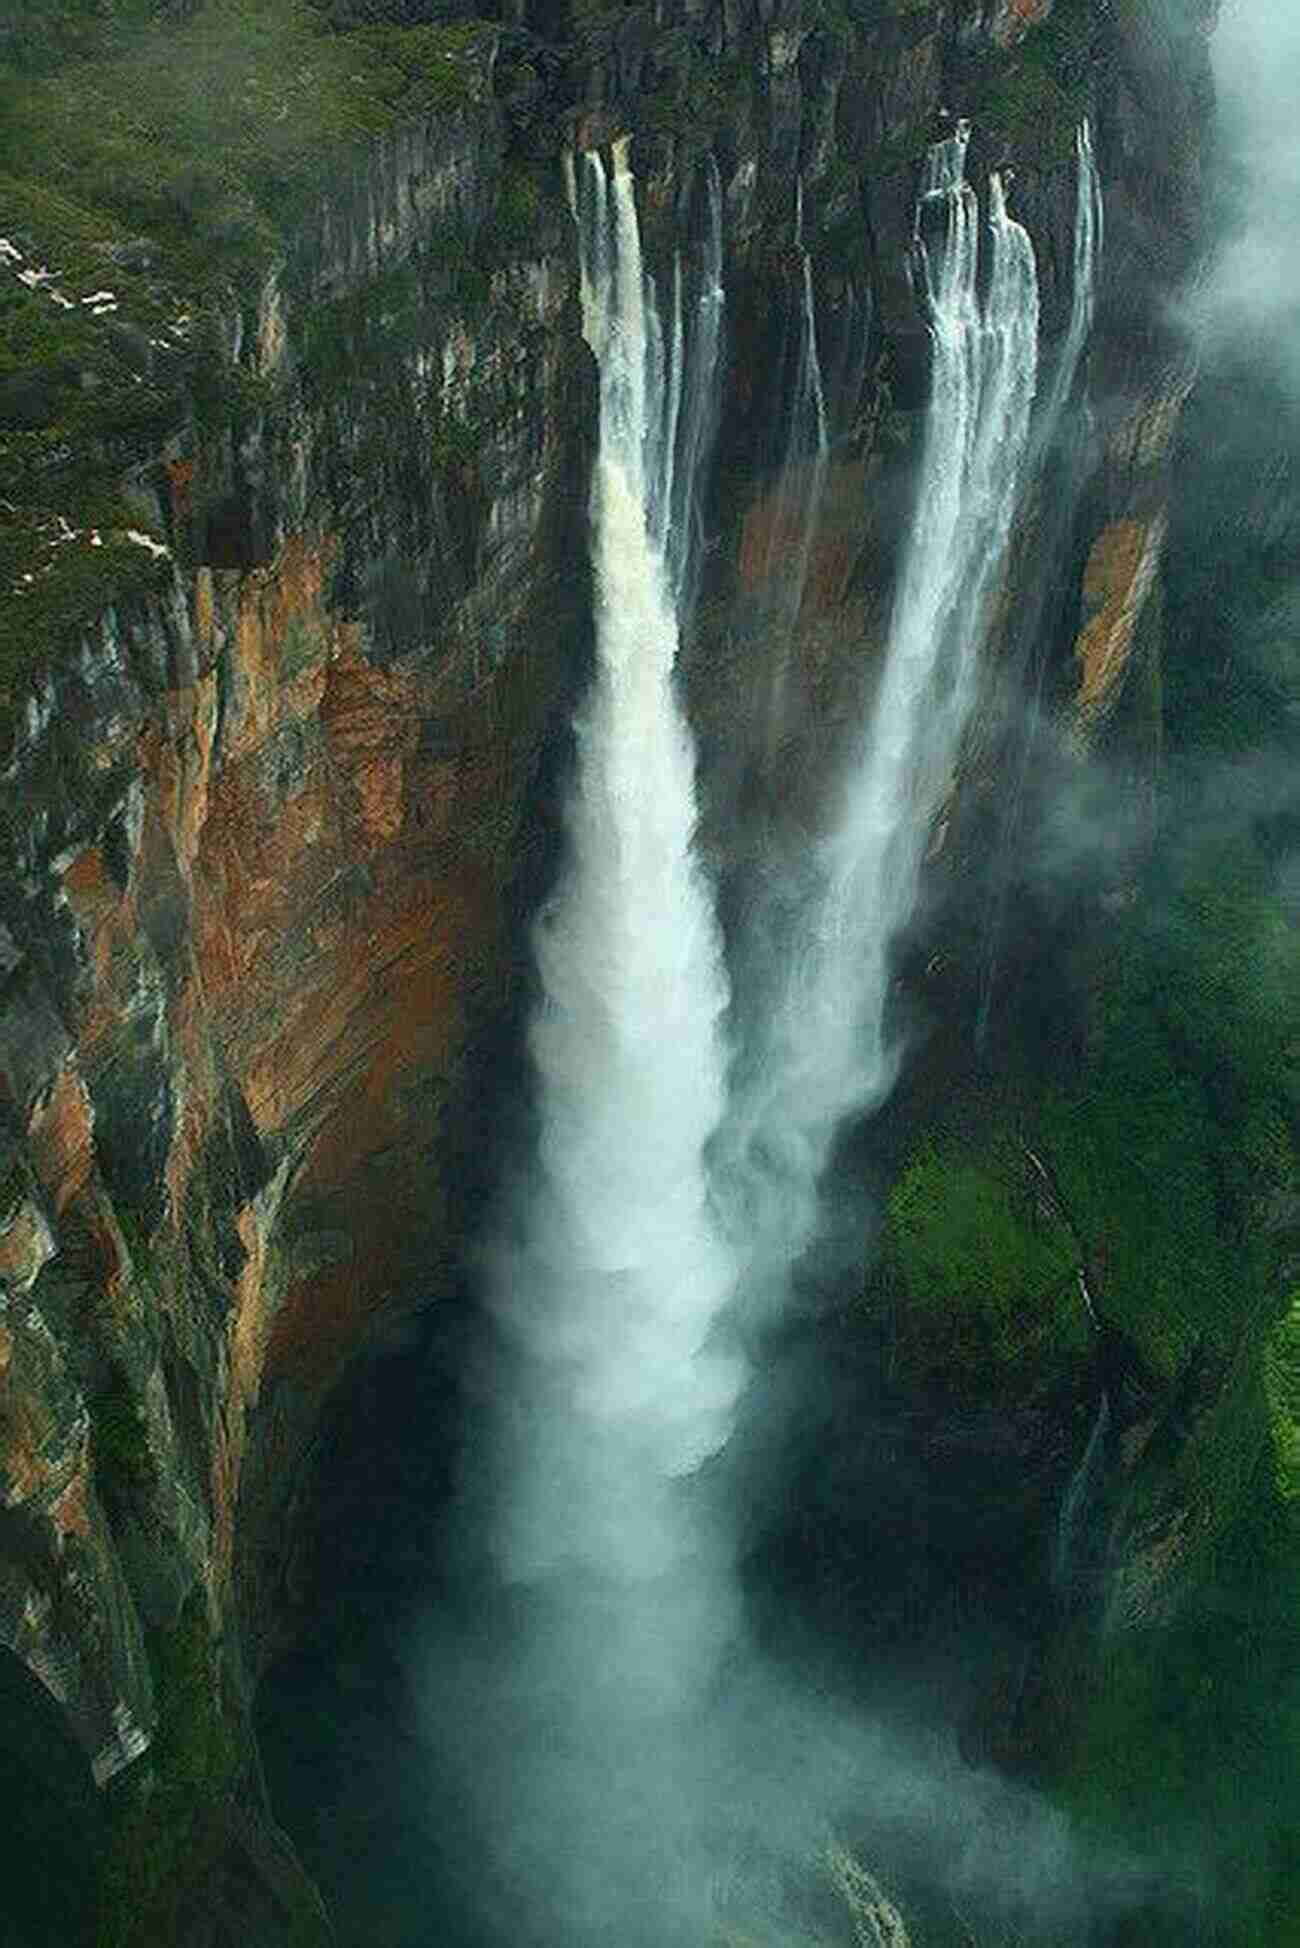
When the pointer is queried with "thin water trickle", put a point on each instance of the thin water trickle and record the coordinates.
(796, 503)
(1078, 1498)
(1089, 223)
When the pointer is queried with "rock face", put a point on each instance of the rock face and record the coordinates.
(271, 824)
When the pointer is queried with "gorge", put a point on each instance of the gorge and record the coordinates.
(647, 938)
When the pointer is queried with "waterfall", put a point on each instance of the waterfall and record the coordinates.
(609, 1284)
(824, 1050)
(685, 402)
(792, 519)
(621, 1274)
(1089, 217)
(1078, 1497)
(1056, 515)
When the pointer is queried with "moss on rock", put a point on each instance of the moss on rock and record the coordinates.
(157, 1809)
(1034, 97)
(150, 169)
(986, 1305)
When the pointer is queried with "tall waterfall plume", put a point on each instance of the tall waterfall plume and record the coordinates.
(824, 1051)
(609, 1286)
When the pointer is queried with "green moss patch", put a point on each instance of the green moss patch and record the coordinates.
(987, 1306)
(119, 1439)
(159, 1810)
(199, 133)
(60, 570)
(1036, 96)
(152, 159)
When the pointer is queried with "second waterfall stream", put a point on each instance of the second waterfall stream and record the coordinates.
(823, 1050)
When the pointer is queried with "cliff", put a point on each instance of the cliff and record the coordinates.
(294, 431)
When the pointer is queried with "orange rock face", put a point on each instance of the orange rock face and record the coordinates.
(25, 1246)
(1117, 582)
(279, 936)
(345, 922)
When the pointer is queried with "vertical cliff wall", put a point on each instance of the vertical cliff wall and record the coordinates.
(280, 697)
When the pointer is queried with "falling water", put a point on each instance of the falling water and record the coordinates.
(1079, 1496)
(684, 400)
(1089, 214)
(610, 1288)
(622, 1274)
(796, 503)
(825, 1051)
(1053, 528)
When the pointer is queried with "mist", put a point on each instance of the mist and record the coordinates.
(640, 1766)
(1253, 286)
(616, 1741)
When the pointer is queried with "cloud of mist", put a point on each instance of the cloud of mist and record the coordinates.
(720, 1829)
(1253, 287)
(1235, 537)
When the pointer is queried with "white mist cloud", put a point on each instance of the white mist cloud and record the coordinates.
(724, 1829)
(1254, 284)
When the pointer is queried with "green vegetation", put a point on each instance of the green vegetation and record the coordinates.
(42, 34)
(119, 1443)
(700, 93)
(201, 139)
(159, 1811)
(199, 134)
(155, 155)
(1177, 1146)
(1282, 1391)
(1172, 1155)
(1176, 1142)
(1194, 1729)
(518, 210)
(51, 585)
(1036, 96)
(365, 336)
(1172, 1146)
(986, 1306)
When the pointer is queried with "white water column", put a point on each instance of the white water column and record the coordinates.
(824, 1051)
(610, 1287)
